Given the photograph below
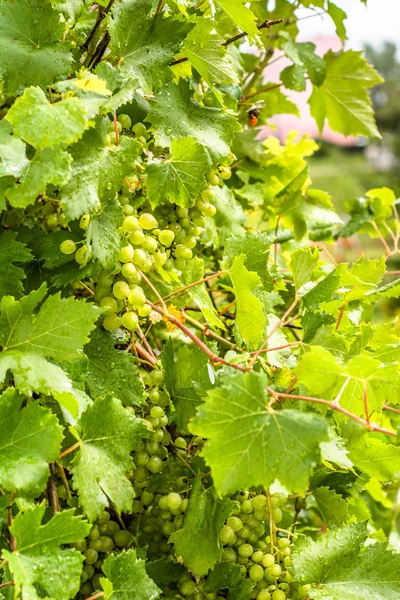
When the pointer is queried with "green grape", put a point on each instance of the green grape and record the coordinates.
(180, 442)
(137, 237)
(166, 237)
(147, 221)
(111, 527)
(261, 515)
(287, 561)
(162, 503)
(129, 271)
(160, 258)
(280, 498)
(259, 502)
(183, 252)
(94, 533)
(107, 543)
(277, 515)
(275, 570)
(257, 556)
(151, 447)
(139, 258)
(278, 595)
(112, 322)
(247, 506)
(224, 172)
(155, 464)
(112, 136)
(188, 588)
(81, 546)
(139, 129)
(109, 304)
(104, 517)
(189, 241)
(86, 589)
(137, 506)
(227, 535)
(84, 221)
(212, 177)
(128, 211)
(141, 459)
(96, 581)
(199, 221)
(136, 296)
(130, 224)
(256, 573)
(157, 412)
(144, 311)
(235, 523)
(195, 231)
(264, 595)
(126, 254)
(121, 290)
(90, 556)
(179, 264)
(268, 561)
(52, 221)
(150, 244)
(130, 320)
(68, 247)
(245, 550)
(125, 121)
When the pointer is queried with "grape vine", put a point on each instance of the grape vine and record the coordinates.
(199, 399)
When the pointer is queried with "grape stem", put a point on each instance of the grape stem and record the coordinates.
(52, 491)
(151, 286)
(333, 405)
(70, 449)
(142, 352)
(195, 339)
(6, 584)
(187, 287)
(95, 596)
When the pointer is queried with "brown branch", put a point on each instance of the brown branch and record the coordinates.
(52, 491)
(264, 25)
(333, 405)
(146, 355)
(9, 522)
(288, 345)
(63, 476)
(95, 596)
(100, 16)
(187, 287)
(214, 358)
(145, 342)
(69, 450)
(208, 332)
(391, 409)
(100, 50)
(6, 584)
(268, 88)
(151, 286)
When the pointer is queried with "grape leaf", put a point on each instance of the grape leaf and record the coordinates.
(32, 373)
(335, 565)
(176, 111)
(305, 60)
(162, 571)
(39, 562)
(204, 519)
(302, 264)
(250, 322)
(187, 378)
(112, 371)
(332, 506)
(146, 43)
(227, 575)
(46, 166)
(250, 446)
(45, 125)
(180, 178)
(11, 276)
(13, 160)
(240, 15)
(103, 459)
(97, 171)
(127, 578)
(58, 329)
(31, 54)
(204, 48)
(29, 439)
(372, 456)
(102, 237)
(193, 272)
(255, 247)
(343, 98)
(324, 376)
(338, 16)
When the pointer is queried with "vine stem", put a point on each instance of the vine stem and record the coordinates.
(151, 286)
(69, 450)
(194, 284)
(146, 355)
(6, 584)
(391, 409)
(264, 25)
(100, 16)
(288, 345)
(275, 328)
(95, 596)
(195, 339)
(333, 405)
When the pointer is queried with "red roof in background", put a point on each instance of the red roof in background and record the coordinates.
(304, 124)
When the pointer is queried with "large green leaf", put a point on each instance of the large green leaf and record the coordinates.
(146, 43)
(343, 97)
(337, 568)
(45, 125)
(31, 54)
(250, 446)
(103, 459)
(127, 578)
(180, 178)
(102, 237)
(112, 371)
(240, 15)
(11, 276)
(29, 439)
(39, 562)
(176, 111)
(193, 272)
(59, 329)
(204, 519)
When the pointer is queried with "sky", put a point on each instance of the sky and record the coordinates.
(374, 23)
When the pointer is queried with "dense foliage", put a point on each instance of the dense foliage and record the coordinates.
(197, 401)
